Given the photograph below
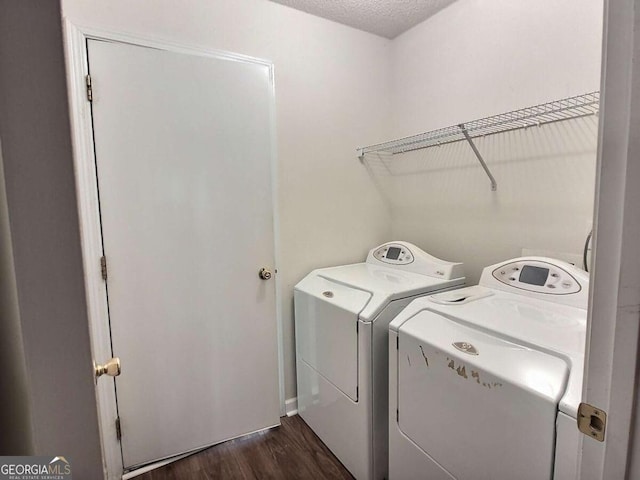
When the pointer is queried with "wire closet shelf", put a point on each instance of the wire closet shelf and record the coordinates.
(557, 111)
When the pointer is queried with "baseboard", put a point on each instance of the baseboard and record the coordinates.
(291, 406)
(161, 463)
(153, 466)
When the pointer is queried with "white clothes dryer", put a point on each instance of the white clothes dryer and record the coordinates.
(485, 381)
(342, 317)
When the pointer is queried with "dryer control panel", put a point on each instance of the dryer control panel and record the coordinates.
(537, 276)
(407, 257)
(394, 253)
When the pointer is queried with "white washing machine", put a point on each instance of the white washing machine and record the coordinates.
(342, 317)
(485, 381)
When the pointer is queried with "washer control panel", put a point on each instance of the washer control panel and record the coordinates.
(537, 276)
(394, 253)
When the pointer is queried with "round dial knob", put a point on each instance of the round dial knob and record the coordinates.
(264, 274)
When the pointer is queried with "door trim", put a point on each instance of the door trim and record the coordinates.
(613, 330)
(75, 44)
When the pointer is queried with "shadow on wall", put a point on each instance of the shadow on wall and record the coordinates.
(15, 414)
(441, 200)
(566, 139)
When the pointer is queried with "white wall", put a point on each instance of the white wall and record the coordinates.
(483, 57)
(332, 93)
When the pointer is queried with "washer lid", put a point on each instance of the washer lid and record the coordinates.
(345, 297)
(384, 284)
(543, 325)
(471, 400)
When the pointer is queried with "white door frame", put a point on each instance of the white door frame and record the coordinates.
(75, 41)
(614, 309)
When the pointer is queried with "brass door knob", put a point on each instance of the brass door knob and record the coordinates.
(111, 368)
(264, 274)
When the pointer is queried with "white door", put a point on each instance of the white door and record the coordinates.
(183, 156)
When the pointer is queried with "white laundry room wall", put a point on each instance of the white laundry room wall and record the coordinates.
(477, 58)
(332, 92)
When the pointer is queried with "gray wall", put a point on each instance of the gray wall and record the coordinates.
(40, 193)
(15, 419)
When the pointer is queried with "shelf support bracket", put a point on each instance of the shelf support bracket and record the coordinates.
(494, 185)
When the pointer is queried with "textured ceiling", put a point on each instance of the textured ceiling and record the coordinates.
(387, 18)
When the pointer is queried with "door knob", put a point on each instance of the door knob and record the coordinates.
(111, 368)
(264, 274)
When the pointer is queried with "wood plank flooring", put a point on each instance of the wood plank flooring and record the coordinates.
(291, 451)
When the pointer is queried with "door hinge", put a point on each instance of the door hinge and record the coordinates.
(592, 421)
(397, 415)
(118, 429)
(357, 326)
(103, 267)
(89, 88)
(357, 392)
(397, 343)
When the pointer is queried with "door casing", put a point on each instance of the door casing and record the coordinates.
(613, 324)
(75, 41)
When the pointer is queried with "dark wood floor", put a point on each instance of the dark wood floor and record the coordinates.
(291, 451)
